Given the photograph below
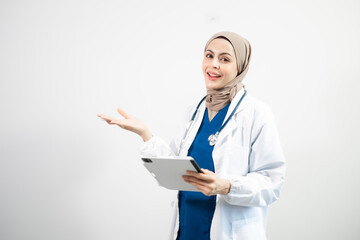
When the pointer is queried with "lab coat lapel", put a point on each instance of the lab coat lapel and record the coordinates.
(235, 101)
(231, 125)
(193, 129)
(228, 129)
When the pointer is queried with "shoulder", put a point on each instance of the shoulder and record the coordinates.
(258, 110)
(190, 110)
(259, 105)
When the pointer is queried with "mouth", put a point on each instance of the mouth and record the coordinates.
(213, 76)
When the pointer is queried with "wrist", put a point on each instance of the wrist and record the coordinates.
(227, 187)
(146, 136)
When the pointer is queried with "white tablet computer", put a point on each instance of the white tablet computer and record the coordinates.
(168, 171)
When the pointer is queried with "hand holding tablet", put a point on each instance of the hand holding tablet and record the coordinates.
(168, 171)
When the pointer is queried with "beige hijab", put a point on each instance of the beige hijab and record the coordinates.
(217, 99)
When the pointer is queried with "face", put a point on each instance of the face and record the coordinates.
(219, 65)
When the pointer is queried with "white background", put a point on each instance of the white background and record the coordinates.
(64, 174)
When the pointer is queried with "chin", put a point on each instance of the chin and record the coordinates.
(212, 85)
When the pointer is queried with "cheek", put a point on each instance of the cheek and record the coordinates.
(232, 72)
(203, 66)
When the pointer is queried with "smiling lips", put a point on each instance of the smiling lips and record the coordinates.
(213, 76)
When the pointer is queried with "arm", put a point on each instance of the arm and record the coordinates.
(153, 145)
(129, 123)
(158, 147)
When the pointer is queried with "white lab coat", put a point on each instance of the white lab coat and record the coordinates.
(249, 155)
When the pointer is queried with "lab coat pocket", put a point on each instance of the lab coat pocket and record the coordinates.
(248, 229)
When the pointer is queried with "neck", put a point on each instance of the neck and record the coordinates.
(211, 114)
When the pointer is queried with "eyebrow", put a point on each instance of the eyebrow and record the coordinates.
(223, 53)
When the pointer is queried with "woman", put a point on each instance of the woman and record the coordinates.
(233, 138)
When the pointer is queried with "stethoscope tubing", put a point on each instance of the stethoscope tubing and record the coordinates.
(222, 126)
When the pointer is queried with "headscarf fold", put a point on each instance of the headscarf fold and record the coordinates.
(217, 99)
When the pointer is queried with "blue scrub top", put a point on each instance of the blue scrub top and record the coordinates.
(196, 210)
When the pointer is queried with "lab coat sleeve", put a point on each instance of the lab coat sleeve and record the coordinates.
(262, 185)
(156, 146)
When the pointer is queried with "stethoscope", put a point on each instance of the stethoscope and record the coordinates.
(213, 137)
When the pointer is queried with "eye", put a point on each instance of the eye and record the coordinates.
(224, 60)
(208, 55)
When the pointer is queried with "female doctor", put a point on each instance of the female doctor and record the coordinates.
(233, 138)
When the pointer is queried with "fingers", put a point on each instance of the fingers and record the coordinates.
(190, 179)
(206, 171)
(204, 182)
(205, 190)
(113, 120)
(203, 187)
(206, 175)
(106, 118)
(119, 123)
(123, 113)
(100, 115)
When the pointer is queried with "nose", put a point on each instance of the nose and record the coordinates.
(215, 63)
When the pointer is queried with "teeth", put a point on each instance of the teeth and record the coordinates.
(214, 75)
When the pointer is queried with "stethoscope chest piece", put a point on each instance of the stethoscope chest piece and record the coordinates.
(213, 138)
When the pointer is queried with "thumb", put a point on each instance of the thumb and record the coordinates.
(123, 113)
(206, 171)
